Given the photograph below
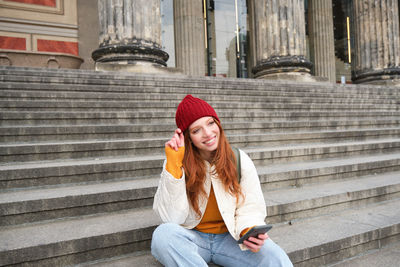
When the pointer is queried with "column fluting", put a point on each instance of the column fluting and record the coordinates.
(377, 42)
(322, 38)
(189, 37)
(130, 32)
(280, 39)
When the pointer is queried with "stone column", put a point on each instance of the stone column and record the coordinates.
(280, 40)
(189, 37)
(321, 38)
(377, 42)
(130, 36)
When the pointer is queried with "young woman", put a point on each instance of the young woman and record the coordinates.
(204, 208)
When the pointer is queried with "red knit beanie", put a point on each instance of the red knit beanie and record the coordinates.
(192, 109)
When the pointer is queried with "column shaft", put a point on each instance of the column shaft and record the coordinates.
(322, 38)
(377, 51)
(189, 37)
(280, 38)
(130, 32)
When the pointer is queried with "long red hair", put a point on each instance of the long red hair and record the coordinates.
(195, 169)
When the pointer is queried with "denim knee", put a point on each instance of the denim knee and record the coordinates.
(275, 255)
(172, 246)
(162, 236)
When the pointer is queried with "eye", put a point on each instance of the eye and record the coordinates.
(195, 131)
(211, 122)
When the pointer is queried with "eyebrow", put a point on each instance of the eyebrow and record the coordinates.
(199, 126)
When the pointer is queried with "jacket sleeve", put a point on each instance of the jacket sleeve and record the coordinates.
(252, 211)
(170, 201)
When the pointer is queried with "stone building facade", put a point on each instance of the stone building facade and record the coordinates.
(39, 33)
(269, 39)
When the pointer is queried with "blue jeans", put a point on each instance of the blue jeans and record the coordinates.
(173, 245)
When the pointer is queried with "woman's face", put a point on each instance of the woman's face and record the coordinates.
(204, 134)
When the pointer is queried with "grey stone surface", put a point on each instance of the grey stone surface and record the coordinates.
(280, 40)
(317, 241)
(22, 152)
(38, 204)
(58, 238)
(189, 37)
(286, 205)
(329, 234)
(377, 46)
(316, 129)
(129, 36)
(386, 256)
(321, 38)
(81, 150)
(88, 31)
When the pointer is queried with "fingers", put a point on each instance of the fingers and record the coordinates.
(255, 244)
(263, 236)
(172, 144)
(256, 241)
(250, 245)
(177, 140)
(181, 137)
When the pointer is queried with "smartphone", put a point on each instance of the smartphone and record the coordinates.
(255, 231)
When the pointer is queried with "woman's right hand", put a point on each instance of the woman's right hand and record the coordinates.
(177, 140)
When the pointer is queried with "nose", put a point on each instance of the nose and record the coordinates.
(207, 132)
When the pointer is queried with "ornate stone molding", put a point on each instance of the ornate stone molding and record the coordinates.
(39, 59)
(283, 64)
(130, 53)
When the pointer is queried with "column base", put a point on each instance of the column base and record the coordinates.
(389, 77)
(130, 53)
(289, 76)
(296, 68)
(136, 67)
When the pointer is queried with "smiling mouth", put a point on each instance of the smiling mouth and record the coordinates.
(210, 141)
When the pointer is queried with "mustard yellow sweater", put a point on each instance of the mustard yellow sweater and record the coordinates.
(212, 221)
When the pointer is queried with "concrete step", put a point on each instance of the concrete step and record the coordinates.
(136, 259)
(49, 203)
(114, 78)
(8, 118)
(170, 106)
(288, 205)
(340, 235)
(296, 174)
(204, 87)
(40, 133)
(38, 95)
(17, 152)
(17, 175)
(72, 171)
(385, 256)
(316, 249)
(31, 205)
(69, 242)
(304, 152)
(316, 241)
(327, 155)
(23, 174)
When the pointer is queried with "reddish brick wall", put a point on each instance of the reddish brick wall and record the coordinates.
(51, 3)
(16, 43)
(57, 46)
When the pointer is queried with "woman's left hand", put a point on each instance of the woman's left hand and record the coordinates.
(255, 243)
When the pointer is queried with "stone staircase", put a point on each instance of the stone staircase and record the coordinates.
(81, 153)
